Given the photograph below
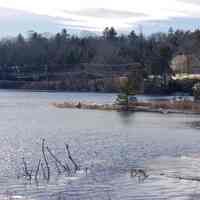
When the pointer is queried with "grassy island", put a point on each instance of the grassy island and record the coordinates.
(167, 106)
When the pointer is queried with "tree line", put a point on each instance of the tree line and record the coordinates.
(154, 52)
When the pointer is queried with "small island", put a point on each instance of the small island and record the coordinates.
(165, 107)
(127, 101)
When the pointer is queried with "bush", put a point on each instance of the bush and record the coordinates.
(196, 91)
(127, 89)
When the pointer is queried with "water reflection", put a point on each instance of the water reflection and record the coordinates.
(195, 124)
(112, 142)
(126, 117)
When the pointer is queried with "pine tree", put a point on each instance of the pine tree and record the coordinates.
(127, 89)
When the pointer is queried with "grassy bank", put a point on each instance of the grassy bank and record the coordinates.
(171, 105)
(84, 105)
(156, 106)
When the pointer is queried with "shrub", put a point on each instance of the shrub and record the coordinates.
(196, 91)
(127, 89)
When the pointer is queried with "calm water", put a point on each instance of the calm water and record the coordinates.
(108, 143)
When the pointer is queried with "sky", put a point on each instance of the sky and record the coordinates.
(84, 16)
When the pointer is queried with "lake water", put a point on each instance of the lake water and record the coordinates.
(108, 143)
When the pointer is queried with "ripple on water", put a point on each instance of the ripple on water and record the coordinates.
(111, 142)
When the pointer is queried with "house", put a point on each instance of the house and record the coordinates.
(186, 65)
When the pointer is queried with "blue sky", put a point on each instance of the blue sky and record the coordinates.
(92, 15)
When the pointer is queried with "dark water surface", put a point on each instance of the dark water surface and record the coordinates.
(108, 143)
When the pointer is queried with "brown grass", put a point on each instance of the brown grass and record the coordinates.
(168, 105)
(82, 105)
(172, 105)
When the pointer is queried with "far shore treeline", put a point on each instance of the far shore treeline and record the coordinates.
(154, 52)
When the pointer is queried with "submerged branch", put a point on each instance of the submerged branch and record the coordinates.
(37, 171)
(197, 179)
(46, 161)
(43, 172)
(26, 171)
(58, 168)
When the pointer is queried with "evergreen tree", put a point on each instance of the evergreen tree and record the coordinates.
(127, 89)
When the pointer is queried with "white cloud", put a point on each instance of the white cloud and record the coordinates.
(14, 21)
(95, 15)
(191, 1)
(152, 7)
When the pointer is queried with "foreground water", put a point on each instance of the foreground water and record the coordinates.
(108, 143)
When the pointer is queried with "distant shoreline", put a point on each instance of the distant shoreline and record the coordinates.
(52, 91)
(51, 86)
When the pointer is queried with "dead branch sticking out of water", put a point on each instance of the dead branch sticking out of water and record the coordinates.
(43, 172)
(65, 167)
(43, 169)
(27, 173)
(58, 168)
(70, 158)
(140, 173)
(37, 171)
(45, 160)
